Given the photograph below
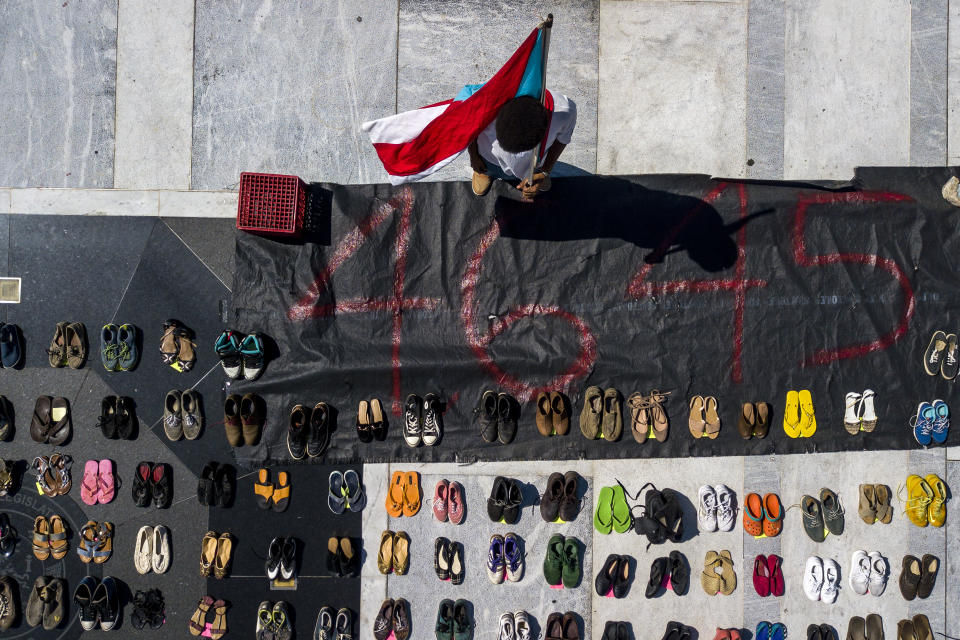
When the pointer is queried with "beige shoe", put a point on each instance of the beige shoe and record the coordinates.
(696, 422)
(612, 422)
(728, 577)
(712, 429)
(867, 508)
(591, 413)
(481, 183)
(639, 417)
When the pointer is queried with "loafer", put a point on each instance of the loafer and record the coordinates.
(143, 550)
(592, 412)
(11, 347)
(252, 418)
(160, 557)
(560, 411)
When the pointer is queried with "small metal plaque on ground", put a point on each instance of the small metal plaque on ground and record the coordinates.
(284, 585)
(10, 290)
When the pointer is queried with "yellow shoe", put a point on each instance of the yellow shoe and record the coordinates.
(808, 420)
(481, 183)
(919, 496)
(937, 513)
(791, 415)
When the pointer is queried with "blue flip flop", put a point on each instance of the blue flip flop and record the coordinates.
(778, 632)
(356, 498)
(763, 631)
(336, 498)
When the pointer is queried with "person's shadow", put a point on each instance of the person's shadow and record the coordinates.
(593, 207)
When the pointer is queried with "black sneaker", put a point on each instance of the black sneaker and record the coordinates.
(83, 598)
(412, 426)
(319, 438)
(507, 413)
(487, 416)
(108, 417)
(951, 359)
(511, 510)
(272, 565)
(126, 418)
(550, 500)
(288, 559)
(934, 352)
(107, 602)
(297, 433)
(432, 424)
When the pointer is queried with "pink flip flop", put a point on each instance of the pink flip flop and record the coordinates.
(107, 489)
(89, 487)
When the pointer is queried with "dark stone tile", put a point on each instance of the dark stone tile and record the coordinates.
(211, 239)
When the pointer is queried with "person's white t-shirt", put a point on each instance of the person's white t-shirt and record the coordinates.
(562, 123)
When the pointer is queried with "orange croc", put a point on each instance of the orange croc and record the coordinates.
(411, 494)
(772, 515)
(395, 493)
(753, 515)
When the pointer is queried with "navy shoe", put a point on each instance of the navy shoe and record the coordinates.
(128, 354)
(109, 347)
(251, 349)
(11, 351)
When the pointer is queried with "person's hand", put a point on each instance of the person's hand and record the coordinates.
(531, 189)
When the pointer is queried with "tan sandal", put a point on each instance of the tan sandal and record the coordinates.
(218, 628)
(61, 465)
(58, 538)
(41, 538)
(712, 418)
(696, 421)
(728, 577)
(198, 621)
(208, 553)
(658, 415)
(709, 578)
(221, 563)
(401, 553)
(639, 416)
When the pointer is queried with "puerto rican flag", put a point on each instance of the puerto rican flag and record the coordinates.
(414, 144)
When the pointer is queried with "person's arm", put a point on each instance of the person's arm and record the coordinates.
(476, 160)
(530, 189)
(553, 154)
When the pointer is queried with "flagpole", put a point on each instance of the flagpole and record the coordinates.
(547, 25)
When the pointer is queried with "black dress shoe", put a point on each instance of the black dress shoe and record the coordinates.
(206, 487)
(621, 579)
(569, 504)
(498, 499)
(507, 411)
(550, 500)
(161, 485)
(108, 417)
(126, 418)
(487, 416)
(679, 573)
(511, 510)
(607, 574)
(658, 569)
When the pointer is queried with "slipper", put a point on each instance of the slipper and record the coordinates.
(791, 415)
(385, 555)
(107, 486)
(58, 538)
(603, 518)
(394, 501)
(355, 497)
(411, 494)
(335, 497)
(263, 489)
(808, 421)
(622, 521)
(89, 486)
(281, 495)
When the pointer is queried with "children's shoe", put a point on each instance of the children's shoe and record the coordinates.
(252, 353)
(110, 347)
(228, 350)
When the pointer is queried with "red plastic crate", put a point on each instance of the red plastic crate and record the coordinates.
(271, 204)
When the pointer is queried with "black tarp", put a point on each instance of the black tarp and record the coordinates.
(680, 283)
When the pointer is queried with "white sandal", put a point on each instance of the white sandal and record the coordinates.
(851, 417)
(867, 412)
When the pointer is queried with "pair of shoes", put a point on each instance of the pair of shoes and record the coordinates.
(118, 347)
(704, 420)
(614, 630)
(754, 420)
(860, 413)
(718, 508)
(561, 564)
(648, 417)
(601, 415)
(821, 579)
(916, 628)
(869, 629)
(281, 558)
(9, 602)
(243, 419)
(560, 497)
(553, 414)
(768, 631)
(149, 609)
(505, 558)
(918, 575)
(394, 615)
(11, 347)
(177, 348)
(768, 575)
(333, 626)
(926, 500)
(505, 501)
(868, 573)
(941, 355)
(241, 356)
(51, 423)
(613, 512)
(216, 553)
(182, 415)
(718, 575)
(822, 516)
(448, 501)
(49, 538)
(152, 550)
(821, 632)
(98, 484)
(53, 474)
(46, 605)
(198, 621)
(799, 419)
(403, 496)
(763, 517)
(394, 553)
(309, 431)
(614, 576)
(153, 482)
(346, 492)
(96, 542)
(270, 495)
(515, 626)
(497, 415)
(8, 540)
(453, 620)
(217, 485)
(874, 505)
(371, 421)
(931, 424)
(562, 626)
(118, 417)
(422, 420)
(342, 559)
(448, 561)
(68, 347)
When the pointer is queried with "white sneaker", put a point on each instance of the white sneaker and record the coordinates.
(850, 416)
(813, 578)
(859, 572)
(726, 515)
(521, 621)
(507, 628)
(879, 572)
(831, 581)
(707, 514)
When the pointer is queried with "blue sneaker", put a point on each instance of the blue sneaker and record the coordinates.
(228, 349)
(109, 347)
(923, 425)
(941, 423)
(495, 564)
(128, 354)
(251, 349)
(513, 557)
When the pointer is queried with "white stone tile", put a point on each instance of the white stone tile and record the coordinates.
(953, 85)
(847, 90)
(198, 204)
(4, 201)
(85, 202)
(672, 88)
(154, 95)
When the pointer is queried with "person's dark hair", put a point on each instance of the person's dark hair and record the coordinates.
(521, 124)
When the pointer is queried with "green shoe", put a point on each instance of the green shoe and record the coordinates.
(571, 563)
(553, 561)
(462, 625)
(603, 518)
(621, 519)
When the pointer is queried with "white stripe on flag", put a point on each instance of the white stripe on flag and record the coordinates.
(395, 180)
(402, 127)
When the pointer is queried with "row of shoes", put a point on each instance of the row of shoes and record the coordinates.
(718, 575)
(763, 517)
(754, 420)
(50, 538)
(98, 603)
(553, 413)
(241, 356)
(308, 432)
(868, 573)
(394, 553)
(422, 420)
(562, 561)
(860, 413)
(11, 345)
(149, 609)
(182, 414)
(53, 474)
(177, 348)
(216, 554)
(768, 575)
(505, 558)
(403, 496)
(153, 482)
(601, 415)
(449, 502)
(118, 418)
(615, 575)
(98, 484)
(931, 424)
(343, 560)
(217, 485)
(497, 415)
(371, 421)
(243, 419)
(217, 627)
(915, 628)
(941, 355)
(272, 495)
(346, 492)
(515, 626)
(393, 617)
(926, 500)
(96, 542)
(281, 559)
(118, 347)
(333, 625)
(51, 422)
(68, 347)
(152, 549)
(448, 561)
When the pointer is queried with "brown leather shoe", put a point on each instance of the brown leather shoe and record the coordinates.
(252, 417)
(544, 417)
(401, 619)
(560, 409)
(747, 421)
(383, 623)
(40, 423)
(76, 337)
(231, 420)
(571, 630)
(763, 413)
(57, 352)
(481, 185)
